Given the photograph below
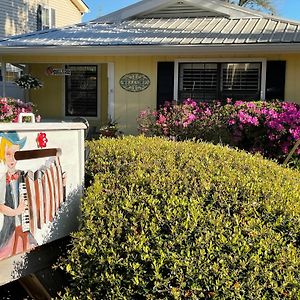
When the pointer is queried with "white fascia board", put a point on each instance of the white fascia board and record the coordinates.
(82, 7)
(151, 50)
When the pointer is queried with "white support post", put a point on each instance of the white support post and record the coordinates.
(3, 74)
(176, 81)
(263, 79)
(111, 90)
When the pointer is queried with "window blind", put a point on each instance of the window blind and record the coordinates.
(218, 81)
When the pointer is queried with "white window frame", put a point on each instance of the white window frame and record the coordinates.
(263, 62)
(49, 13)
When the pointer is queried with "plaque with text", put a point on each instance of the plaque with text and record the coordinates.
(135, 82)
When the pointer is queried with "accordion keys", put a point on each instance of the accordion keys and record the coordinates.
(43, 193)
(25, 217)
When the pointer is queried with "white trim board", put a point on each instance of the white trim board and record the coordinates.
(111, 90)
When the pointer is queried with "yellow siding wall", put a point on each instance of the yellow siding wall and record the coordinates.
(128, 104)
(292, 86)
(49, 98)
(103, 96)
(66, 12)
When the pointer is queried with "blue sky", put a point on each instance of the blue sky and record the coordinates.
(289, 9)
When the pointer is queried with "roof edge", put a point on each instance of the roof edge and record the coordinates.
(151, 50)
(82, 7)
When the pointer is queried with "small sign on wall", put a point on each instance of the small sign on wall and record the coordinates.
(58, 71)
(135, 82)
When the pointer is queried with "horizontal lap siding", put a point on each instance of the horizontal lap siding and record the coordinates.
(14, 17)
(20, 16)
(66, 12)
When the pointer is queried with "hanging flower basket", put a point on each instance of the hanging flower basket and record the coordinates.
(27, 82)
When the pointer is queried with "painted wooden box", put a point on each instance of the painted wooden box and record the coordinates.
(41, 183)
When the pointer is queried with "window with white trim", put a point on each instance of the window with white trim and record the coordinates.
(81, 91)
(46, 18)
(217, 81)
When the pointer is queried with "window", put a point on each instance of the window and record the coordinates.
(45, 18)
(198, 81)
(212, 81)
(81, 91)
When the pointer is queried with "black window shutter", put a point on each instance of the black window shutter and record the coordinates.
(275, 81)
(39, 18)
(165, 82)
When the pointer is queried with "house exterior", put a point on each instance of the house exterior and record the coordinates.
(158, 50)
(21, 16)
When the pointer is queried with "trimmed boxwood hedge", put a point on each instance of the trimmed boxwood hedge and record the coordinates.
(167, 220)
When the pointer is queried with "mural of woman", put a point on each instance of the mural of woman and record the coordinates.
(12, 238)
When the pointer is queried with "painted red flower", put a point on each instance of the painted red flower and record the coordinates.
(42, 140)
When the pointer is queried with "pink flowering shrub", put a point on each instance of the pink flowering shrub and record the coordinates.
(270, 128)
(11, 108)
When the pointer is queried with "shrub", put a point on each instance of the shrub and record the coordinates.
(270, 128)
(184, 220)
(11, 108)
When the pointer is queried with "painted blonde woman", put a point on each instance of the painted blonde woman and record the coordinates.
(12, 238)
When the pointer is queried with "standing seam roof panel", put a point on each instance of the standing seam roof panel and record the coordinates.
(180, 31)
(235, 32)
(203, 32)
(297, 34)
(257, 31)
(214, 34)
(248, 28)
(189, 37)
(269, 29)
(173, 24)
(170, 34)
(289, 34)
(278, 32)
(226, 31)
(210, 29)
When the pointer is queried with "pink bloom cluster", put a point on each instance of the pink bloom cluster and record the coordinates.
(271, 128)
(172, 120)
(11, 108)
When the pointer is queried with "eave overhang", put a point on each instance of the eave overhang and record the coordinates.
(282, 48)
(82, 7)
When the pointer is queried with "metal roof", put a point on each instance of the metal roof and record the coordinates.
(162, 32)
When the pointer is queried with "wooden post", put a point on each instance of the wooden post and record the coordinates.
(34, 287)
(292, 152)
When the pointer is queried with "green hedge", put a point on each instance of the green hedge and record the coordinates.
(166, 220)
